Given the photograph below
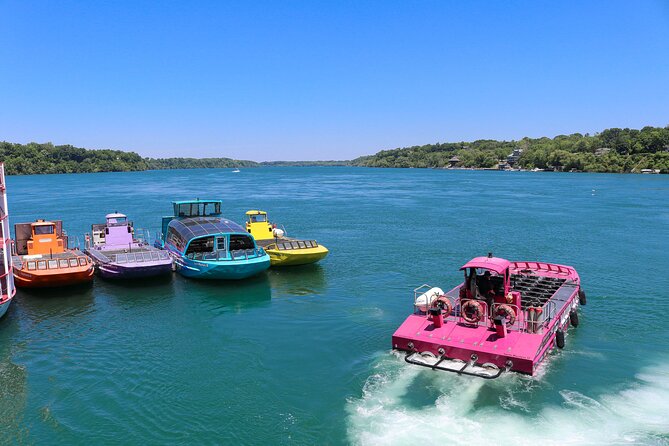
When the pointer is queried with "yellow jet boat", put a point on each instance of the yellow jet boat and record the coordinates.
(282, 250)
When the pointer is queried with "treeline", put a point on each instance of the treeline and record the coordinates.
(33, 158)
(197, 163)
(612, 150)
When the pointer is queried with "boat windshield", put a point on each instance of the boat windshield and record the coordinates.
(203, 244)
(241, 241)
(485, 281)
(258, 218)
(43, 229)
(198, 209)
(204, 249)
(118, 221)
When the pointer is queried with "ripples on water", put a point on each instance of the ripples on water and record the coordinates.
(301, 355)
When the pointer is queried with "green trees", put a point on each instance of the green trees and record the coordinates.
(629, 150)
(612, 150)
(34, 158)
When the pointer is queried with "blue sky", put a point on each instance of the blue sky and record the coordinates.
(298, 80)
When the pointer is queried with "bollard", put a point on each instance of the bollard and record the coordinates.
(437, 317)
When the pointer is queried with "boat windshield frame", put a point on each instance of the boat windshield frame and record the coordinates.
(38, 229)
(197, 208)
(118, 221)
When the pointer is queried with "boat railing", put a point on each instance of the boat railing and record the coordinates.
(245, 254)
(158, 241)
(523, 321)
(142, 235)
(144, 256)
(293, 244)
(539, 322)
(283, 228)
(237, 254)
(561, 270)
(70, 242)
(417, 292)
(456, 304)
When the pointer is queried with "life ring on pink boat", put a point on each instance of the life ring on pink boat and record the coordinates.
(507, 312)
(472, 311)
(443, 303)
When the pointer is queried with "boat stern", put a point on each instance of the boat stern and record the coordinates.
(293, 257)
(224, 269)
(462, 343)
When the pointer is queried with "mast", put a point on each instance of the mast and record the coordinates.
(7, 289)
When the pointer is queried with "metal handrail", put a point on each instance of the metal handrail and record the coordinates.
(522, 323)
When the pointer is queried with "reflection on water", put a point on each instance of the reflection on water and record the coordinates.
(303, 280)
(136, 283)
(63, 303)
(135, 293)
(229, 294)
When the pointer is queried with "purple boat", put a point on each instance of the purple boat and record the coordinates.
(117, 253)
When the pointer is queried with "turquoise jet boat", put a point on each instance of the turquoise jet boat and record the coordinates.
(206, 245)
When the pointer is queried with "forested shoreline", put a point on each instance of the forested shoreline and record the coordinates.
(46, 158)
(612, 150)
(36, 158)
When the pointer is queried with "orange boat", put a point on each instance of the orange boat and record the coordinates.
(42, 258)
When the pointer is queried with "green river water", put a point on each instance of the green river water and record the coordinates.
(302, 355)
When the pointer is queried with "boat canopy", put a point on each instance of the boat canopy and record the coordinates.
(257, 216)
(115, 216)
(197, 208)
(190, 228)
(116, 219)
(495, 264)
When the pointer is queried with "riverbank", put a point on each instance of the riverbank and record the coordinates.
(611, 151)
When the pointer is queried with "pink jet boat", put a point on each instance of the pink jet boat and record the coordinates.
(505, 316)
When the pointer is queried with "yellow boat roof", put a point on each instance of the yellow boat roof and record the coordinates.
(255, 212)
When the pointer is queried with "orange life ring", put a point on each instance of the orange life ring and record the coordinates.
(508, 313)
(472, 311)
(444, 303)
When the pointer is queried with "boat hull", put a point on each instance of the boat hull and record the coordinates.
(297, 256)
(521, 348)
(116, 271)
(52, 279)
(107, 266)
(222, 270)
(4, 306)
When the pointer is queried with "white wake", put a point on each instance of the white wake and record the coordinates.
(458, 413)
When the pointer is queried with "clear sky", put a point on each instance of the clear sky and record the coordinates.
(308, 80)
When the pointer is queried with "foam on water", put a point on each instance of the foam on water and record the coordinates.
(459, 414)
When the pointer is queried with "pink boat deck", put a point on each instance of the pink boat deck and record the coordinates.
(523, 344)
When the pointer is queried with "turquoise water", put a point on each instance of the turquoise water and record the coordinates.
(301, 355)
